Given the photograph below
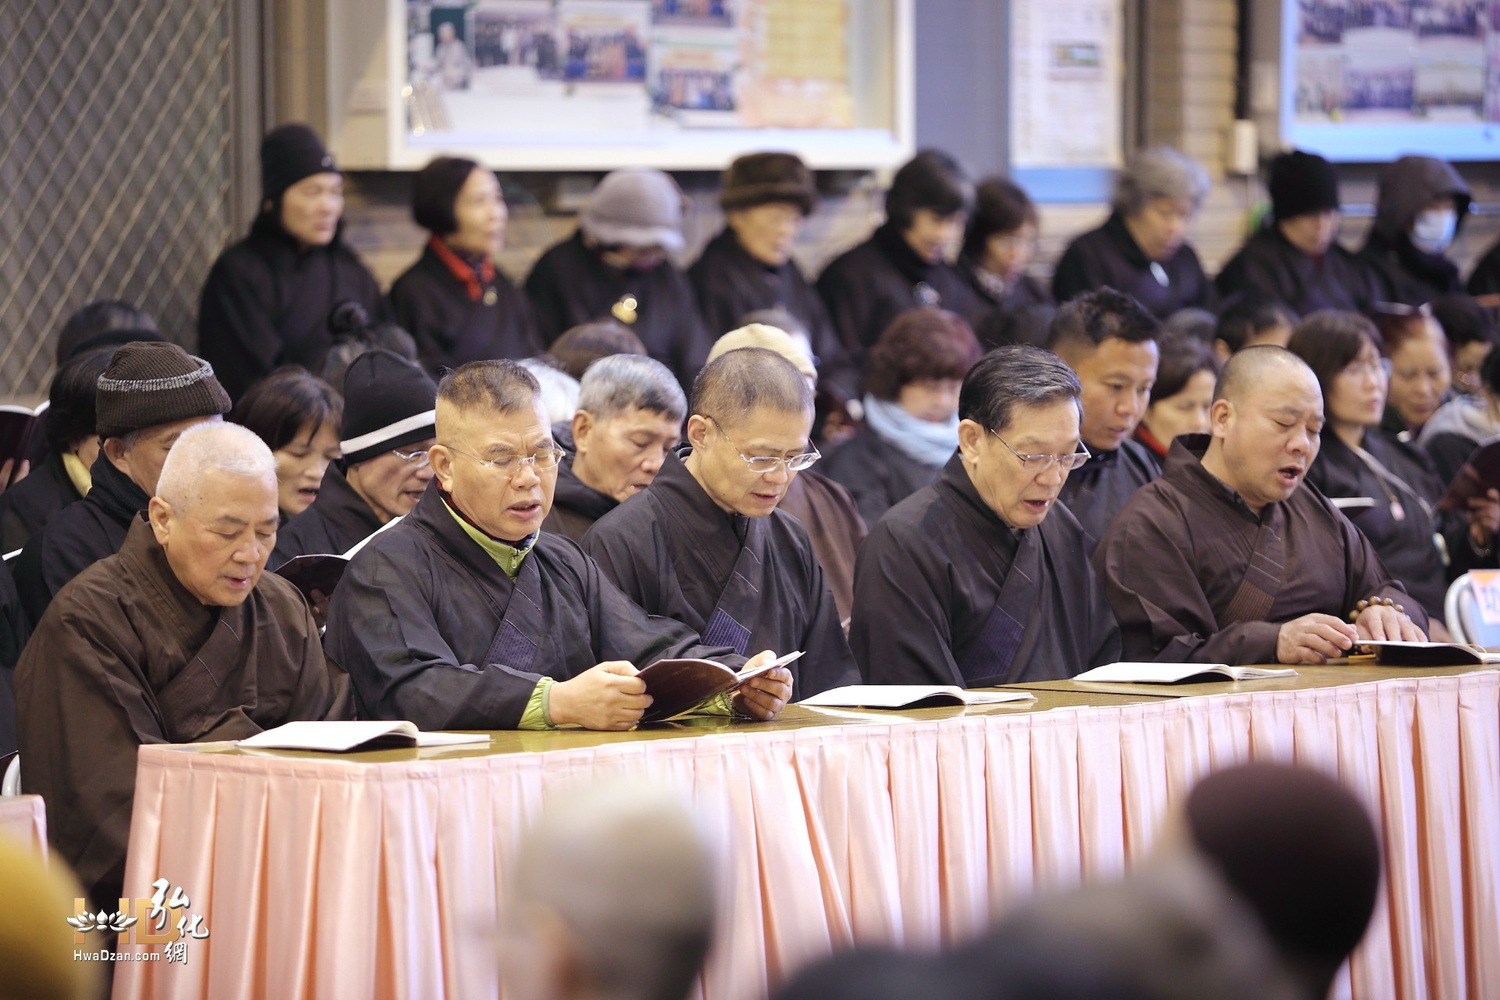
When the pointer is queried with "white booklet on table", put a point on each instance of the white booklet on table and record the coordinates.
(1177, 673)
(909, 696)
(342, 736)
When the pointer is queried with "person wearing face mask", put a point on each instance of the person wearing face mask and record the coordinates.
(387, 429)
(629, 416)
(999, 242)
(1295, 256)
(912, 380)
(617, 265)
(1110, 341)
(749, 267)
(454, 301)
(904, 265)
(1181, 395)
(980, 577)
(268, 298)
(1420, 204)
(1142, 249)
(705, 544)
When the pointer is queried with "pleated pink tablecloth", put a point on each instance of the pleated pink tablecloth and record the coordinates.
(24, 818)
(333, 878)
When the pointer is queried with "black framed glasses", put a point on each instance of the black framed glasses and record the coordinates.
(1037, 464)
(763, 465)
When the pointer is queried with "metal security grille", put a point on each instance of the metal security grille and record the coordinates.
(114, 166)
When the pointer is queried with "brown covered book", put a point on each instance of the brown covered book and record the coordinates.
(678, 686)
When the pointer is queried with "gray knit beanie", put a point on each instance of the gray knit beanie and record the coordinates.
(151, 384)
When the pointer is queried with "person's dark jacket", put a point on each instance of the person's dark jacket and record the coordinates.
(433, 305)
(28, 505)
(876, 473)
(1402, 273)
(1269, 263)
(267, 300)
(1017, 313)
(80, 535)
(1110, 257)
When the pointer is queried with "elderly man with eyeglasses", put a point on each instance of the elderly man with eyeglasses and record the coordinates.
(705, 543)
(982, 578)
(384, 471)
(467, 615)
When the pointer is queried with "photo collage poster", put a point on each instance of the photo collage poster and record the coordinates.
(614, 66)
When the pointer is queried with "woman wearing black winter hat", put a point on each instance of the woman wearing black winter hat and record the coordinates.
(1295, 257)
(454, 301)
(267, 300)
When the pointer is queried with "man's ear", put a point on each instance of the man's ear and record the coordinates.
(697, 431)
(441, 460)
(117, 453)
(160, 514)
(970, 434)
(1219, 416)
(583, 427)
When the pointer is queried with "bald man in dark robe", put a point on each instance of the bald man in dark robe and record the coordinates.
(467, 615)
(705, 543)
(180, 637)
(982, 577)
(1229, 557)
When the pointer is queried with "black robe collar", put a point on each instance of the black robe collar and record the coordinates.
(114, 492)
(191, 619)
(572, 493)
(954, 482)
(903, 258)
(1185, 469)
(684, 498)
(1129, 248)
(339, 504)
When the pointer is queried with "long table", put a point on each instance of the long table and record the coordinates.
(23, 818)
(378, 874)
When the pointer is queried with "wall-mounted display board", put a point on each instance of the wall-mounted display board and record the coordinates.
(593, 84)
(1067, 83)
(1368, 80)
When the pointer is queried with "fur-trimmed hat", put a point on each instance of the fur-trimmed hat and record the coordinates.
(762, 178)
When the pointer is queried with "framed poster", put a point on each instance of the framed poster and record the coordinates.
(676, 84)
(1369, 80)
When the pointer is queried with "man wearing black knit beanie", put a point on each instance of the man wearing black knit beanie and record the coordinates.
(149, 394)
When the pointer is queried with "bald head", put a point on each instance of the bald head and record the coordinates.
(613, 898)
(747, 379)
(1254, 368)
(206, 452)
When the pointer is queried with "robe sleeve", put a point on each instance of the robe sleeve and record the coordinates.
(622, 631)
(900, 631)
(619, 557)
(1164, 614)
(236, 329)
(829, 662)
(382, 630)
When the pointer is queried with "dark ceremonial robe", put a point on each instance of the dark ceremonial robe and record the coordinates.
(876, 473)
(1193, 575)
(575, 504)
(750, 583)
(1096, 491)
(1109, 256)
(1017, 312)
(867, 287)
(1405, 545)
(834, 527)
(80, 535)
(431, 629)
(334, 523)
(126, 656)
(1269, 263)
(432, 304)
(13, 633)
(730, 283)
(945, 592)
(267, 300)
(27, 506)
(570, 285)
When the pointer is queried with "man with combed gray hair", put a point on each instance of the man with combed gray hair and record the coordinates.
(630, 413)
(1142, 249)
(579, 925)
(179, 637)
(982, 578)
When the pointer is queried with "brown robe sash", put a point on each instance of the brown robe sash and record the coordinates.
(1011, 631)
(193, 701)
(740, 599)
(1264, 573)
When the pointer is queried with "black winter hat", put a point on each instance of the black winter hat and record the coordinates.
(287, 155)
(151, 384)
(1302, 184)
(762, 178)
(388, 402)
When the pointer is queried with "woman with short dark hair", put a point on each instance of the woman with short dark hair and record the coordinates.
(999, 242)
(912, 378)
(1182, 394)
(454, 301)
(1385, 486)
(297, 415)
(903, 265)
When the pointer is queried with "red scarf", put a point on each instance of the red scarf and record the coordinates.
(474, 282)
(1148, 439)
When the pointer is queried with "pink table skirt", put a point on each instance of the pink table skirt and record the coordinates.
(24, 818)
(338, 879)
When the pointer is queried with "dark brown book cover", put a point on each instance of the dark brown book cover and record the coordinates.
(17, 427)
(314, 572)
(678, 686)
(1478, 475)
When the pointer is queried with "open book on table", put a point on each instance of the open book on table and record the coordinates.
(1178, 673)
(678, 686)
(1396, 653)
(909, 696)
(342, 736)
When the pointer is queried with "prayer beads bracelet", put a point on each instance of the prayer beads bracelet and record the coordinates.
(1375, 602)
